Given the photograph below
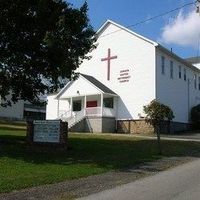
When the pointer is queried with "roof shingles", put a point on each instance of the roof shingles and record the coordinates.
(98, 84)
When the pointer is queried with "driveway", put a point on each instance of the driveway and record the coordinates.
(180, 183)
(193, 137)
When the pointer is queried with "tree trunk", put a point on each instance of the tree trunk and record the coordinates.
(158, 139)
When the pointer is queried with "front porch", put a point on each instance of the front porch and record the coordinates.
(88, 105)
(101, 105)
(98, 106)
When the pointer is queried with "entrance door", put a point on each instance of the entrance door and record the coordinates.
(91, 104)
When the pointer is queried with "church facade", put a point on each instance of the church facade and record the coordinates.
(126, 72)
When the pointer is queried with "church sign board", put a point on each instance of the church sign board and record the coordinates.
(47, 132)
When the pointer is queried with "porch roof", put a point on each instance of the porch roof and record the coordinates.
(84, 85)
(98, 84)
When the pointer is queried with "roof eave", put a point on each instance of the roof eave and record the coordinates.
(163, 49)
(63, 90)
(98, 33)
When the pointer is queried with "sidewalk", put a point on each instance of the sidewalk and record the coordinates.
(192, 137)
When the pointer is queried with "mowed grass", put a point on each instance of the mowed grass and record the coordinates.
(22, 166)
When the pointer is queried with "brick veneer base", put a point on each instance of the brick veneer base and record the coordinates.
(141, 127)
(134, 127)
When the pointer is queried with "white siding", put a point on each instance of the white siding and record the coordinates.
(52, 107)
(80, 87)
(174, 92)
(133, 53)
(197, 65)
(16, 111)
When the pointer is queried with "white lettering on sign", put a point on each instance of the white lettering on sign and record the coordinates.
(46, 131)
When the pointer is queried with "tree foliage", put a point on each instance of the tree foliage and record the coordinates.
(156, 113)
(195, 116)
(40, 40)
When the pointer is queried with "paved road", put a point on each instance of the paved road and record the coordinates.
(180, 183)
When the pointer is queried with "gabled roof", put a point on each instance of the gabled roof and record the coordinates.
(157, 45)
(98, 84)
(63, 89)
(193, 60)
(104, 26)
(173, 55)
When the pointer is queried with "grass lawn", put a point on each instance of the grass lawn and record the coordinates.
(22, 166)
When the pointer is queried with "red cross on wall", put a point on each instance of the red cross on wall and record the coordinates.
(108, 59)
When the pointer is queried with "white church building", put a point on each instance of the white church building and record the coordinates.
(126, 72)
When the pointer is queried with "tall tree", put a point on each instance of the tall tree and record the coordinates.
(40, 41)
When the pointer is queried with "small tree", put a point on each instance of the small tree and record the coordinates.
(156, 113)
(195, 116)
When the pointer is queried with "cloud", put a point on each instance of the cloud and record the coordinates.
(184, 30)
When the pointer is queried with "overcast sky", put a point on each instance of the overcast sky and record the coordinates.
(179, 30)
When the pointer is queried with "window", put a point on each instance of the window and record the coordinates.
(171, 69)
(185, 75)
(108, 102)
(179, 72)
(163, 64)
(77, 105)
(195, 81)
(199, 82)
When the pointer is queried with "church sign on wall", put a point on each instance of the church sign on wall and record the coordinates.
(124, 76)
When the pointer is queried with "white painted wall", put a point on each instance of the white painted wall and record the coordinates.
(52, 107)
(197, 65)
(80, 87)
(174, 92)
(134, 54)
(146, 83)
(16, 111)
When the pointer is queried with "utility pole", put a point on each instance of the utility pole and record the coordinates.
(198, 6)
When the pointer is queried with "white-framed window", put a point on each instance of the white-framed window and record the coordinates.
(199, 82)
(108, 102)
(77, 105)
(179, 71)
(162, 64)
(171, 69)
(195, 81)
(185, 74)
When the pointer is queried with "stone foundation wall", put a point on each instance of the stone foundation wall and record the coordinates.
(108, 125)
(141, 127)
(95, 125)
(134, 127)
(79, 127)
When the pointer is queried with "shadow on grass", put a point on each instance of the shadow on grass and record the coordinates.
(99, 151)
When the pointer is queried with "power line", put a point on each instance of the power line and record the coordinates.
(152, 18)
